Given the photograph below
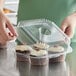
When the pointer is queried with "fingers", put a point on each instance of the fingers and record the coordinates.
(63, 26)
(11, 28)
(4, 40)
(69, 32)
(67, 29)
(4, 34)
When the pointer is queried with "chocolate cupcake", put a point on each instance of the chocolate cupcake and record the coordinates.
(40, 46)
(39, 57)
(23, 52)
(56, 50)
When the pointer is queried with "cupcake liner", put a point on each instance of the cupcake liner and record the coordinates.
(60, 58)
(43, 60)
(23, 57)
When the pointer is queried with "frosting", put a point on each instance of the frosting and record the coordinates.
(23, 47)
(39, 53)
(56, 49)
(41, 45)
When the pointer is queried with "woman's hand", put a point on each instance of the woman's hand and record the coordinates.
(68, 25)
(5, 25)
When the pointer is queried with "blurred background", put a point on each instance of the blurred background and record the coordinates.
(11, 9)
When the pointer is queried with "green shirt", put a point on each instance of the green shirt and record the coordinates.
(54, 10)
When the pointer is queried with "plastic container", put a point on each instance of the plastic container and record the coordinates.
(42, 30)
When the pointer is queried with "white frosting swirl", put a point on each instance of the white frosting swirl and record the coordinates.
(41, 45)
(39, 53)
(23, 47)
(56, 49)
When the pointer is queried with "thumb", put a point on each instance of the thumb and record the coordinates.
(11, 28)
(63, 27)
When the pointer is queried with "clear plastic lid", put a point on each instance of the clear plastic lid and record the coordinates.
(42, 30)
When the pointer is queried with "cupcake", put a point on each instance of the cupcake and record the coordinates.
(39, 57)
(54, 50)
(40, 45)
(23, 52)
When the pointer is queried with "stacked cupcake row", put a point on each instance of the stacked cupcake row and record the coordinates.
(38, 54)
